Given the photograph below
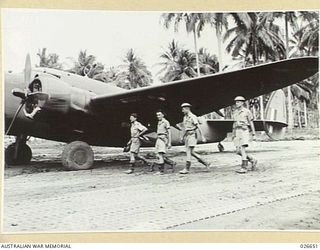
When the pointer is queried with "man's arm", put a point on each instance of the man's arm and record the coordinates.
(196, 123)
(143, 131)
(201, 134)
(182, 131)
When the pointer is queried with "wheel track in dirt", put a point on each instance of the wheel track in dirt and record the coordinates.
(233, 211)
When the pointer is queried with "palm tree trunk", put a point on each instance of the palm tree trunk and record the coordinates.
(290, 115)
(261, 107)
(299, 114)
(305, 113)
(218, 33)
(196, 50)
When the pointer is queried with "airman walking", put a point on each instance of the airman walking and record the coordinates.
(189, 136)
(243, 119)
(137, 130)
(163, 142)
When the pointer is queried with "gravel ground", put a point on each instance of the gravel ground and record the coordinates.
(283, 194)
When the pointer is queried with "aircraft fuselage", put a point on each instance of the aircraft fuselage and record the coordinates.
(66, 117)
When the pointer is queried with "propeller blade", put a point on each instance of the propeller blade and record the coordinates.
(15, 116)
(27, 71)
(40, 95)
(19, 93)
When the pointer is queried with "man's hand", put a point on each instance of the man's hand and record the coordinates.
(169, 145)
(204, 140)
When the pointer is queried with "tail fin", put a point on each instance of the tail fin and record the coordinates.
(276, 107)
(276, 115)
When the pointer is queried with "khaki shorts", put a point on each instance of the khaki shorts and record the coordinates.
(161, 144)
(241, 138)
(190, 139)
(135, 145)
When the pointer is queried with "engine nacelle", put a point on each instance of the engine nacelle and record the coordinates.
(61, 96)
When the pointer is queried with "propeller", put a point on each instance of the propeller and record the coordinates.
(27, 71)
(23, 94)
(15, 116)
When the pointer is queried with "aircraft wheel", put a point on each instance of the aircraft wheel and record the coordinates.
(23, 157)
(220, 147)
(77, 155)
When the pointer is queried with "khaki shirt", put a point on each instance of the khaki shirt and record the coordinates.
(136, 128)
(163, 127)
(242, 118)
(190, 122)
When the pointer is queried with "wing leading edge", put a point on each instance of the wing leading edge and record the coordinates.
(207, 93)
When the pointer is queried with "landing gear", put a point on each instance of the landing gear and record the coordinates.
(18, 153)
(77, 155)
(220, 147)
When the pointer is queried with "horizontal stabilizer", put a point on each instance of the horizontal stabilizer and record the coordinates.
(274, 129)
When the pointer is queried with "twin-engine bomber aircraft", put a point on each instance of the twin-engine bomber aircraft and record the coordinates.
(82, 111)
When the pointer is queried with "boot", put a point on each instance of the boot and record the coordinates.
(244, 167)
(171, 163)
(207, 165)
(161, 168)
(253, 162)
(131, 170)
(151, 168)
(186, 169)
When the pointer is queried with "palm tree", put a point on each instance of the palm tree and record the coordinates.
(309, 32)
(86, 65)
(254, 38)
(48, 61)
(194, 24)
(289, 18)
(208, 63)
(294, 42)
(177, 63)
(218, 21)
(134, 72)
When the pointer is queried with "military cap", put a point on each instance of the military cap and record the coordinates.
(239, 98)
(185, 105)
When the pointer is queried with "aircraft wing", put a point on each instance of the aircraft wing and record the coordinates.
(206, 94)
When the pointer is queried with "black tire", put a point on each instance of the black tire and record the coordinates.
(24, 154)
(77, 155)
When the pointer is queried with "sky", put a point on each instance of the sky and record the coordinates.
(105, 34)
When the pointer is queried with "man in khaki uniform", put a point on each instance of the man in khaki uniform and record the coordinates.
(189, 136)
(136, 130)
(163, 142)
(243, 119)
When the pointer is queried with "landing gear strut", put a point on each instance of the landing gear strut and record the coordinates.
(18, 152)
(220, 147)
(77, 155)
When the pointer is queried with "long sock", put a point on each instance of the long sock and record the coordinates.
(161, 167)
(168, 161)
(250, 158)
(244, 163)
(132, 166)
(203, 162)
(188, 165)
